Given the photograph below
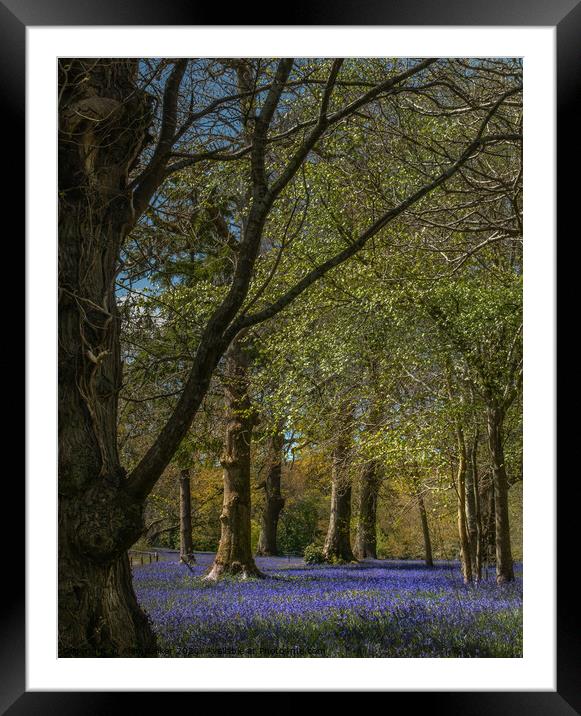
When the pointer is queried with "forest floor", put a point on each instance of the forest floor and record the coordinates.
(377, 608)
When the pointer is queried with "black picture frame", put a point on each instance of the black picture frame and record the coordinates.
(565, 15)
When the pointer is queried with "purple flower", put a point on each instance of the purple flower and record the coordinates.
(379, 608)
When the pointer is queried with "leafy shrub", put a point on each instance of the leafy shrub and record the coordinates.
(313, 554)
(298, 524)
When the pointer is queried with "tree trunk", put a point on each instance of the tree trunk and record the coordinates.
(504, 564)
(473, 510)
(366, 541)
(234, 554)
(425, 531)
(273, 500)
(338, 541)
(489, 531)
(98, 611)
(186, 544)
(98, 520)
(465, 556)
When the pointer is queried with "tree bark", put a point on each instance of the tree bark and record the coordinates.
(465, 555)
(186, 543)
(473, 510)
(489, 533)
(234, 555)
(425, 531)
(338, 540)
(98, 612)
(273, 500)
(504, 563)
(366, 541)
(98, 519)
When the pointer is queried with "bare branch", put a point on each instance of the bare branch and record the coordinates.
(151, 177)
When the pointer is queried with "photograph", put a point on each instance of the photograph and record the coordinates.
(291, 354)
(290, 357)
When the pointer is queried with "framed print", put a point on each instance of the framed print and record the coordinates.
(305, 417)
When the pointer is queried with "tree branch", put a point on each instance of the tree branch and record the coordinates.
(151, 177)
(357, 245)
(324, 121)
(220, 330)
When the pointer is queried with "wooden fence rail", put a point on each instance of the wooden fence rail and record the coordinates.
(136, 555)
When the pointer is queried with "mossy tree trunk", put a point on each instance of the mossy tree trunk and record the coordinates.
(234, 555)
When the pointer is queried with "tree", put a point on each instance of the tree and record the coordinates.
(425, 531)
(337, 545)
(273, 499)
(366, 540)
(234, 553)
(186, 544)
(98, 611)
(473, 509)
(484, 324)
